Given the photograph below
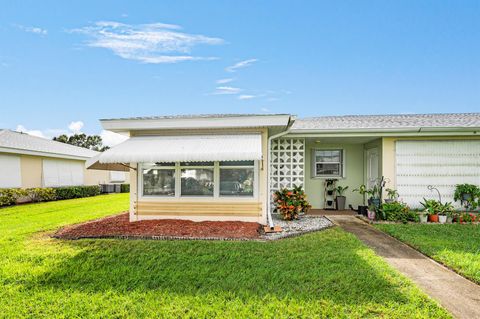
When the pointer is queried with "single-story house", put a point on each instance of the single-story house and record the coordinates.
(28, 161)
(225, 167)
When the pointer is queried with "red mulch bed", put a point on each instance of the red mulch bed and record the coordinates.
(119, 226)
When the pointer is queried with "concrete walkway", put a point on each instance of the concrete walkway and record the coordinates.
(458, 295)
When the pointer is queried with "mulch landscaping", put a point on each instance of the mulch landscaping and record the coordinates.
(119, 226)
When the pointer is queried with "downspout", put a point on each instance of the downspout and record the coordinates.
(269, 202)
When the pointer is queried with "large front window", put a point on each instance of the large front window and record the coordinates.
(199, 179)
(158, 180)
(236, 178)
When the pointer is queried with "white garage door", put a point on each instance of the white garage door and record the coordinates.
(62, 172)
(442, 164)
(10, 172)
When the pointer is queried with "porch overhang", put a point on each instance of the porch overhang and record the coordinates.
(183, 148)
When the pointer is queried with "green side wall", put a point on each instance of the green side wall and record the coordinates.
(354, 175)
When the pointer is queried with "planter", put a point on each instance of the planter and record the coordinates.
(433, 218)
(423, 218)
(329, 202)
(466, 197)
(362, 210)
(371, 214)
(330, 193)
(375, 202)
(442, 219)
(449, 220)
(341, 202)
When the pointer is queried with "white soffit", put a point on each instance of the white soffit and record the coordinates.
(186, 148)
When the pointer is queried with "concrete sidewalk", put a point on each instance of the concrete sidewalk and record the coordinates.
(458, 295)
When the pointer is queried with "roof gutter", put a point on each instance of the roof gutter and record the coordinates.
(291, 120)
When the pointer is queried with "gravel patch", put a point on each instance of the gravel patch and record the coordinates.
(305, 224)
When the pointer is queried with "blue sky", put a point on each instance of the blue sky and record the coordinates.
(64, 62)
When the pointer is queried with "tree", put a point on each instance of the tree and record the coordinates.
(92, 142)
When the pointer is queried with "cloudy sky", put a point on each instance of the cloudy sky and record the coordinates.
(65, 65)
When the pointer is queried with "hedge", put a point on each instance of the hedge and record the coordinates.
(10, 196)
(125, 188)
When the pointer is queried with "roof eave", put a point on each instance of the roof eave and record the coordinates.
(124, 125)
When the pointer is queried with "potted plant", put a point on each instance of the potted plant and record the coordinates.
(431, 207)
(422, 216)
(371, 212)
(374, 193)
(392, 195)
(467, 194)
(340, 199)
(444, 211)
(362, 190)
(291, 202)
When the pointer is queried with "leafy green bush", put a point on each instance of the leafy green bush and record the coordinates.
(125, 188)
(9, 196)
(76, 192)
(397, 212)
(468, 195)
(291, 202)
(40, 194)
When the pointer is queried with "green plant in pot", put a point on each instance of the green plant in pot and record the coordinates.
(444, 212)
(362, 190)
(375, 196)
(468, 195)
(340, 199)
(392, 195)
(422, 216)
(431, 207)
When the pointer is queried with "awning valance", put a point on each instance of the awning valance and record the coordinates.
(185, 148)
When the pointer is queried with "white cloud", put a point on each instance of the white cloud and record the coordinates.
(222, 90)
(112, 139)
(75, 127)
(246, 97)
(265, 110)
(224, 81)
(240, 65)
(35, 30)
(148, 43)
(23, 129)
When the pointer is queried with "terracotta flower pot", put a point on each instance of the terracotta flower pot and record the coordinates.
(433, 218)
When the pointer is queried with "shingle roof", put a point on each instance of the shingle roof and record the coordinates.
(385, 122)
(188, 116)
(16, 141)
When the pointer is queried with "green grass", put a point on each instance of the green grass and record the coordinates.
(456, 246)
(325, 274)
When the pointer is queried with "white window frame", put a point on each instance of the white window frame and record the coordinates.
(216, 182)
(342, 163)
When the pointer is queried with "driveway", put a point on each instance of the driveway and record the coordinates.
(458, 295)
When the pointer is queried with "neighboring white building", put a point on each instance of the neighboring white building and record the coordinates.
(28, 161)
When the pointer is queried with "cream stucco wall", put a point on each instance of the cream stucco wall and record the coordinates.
(31, 170)
(354, 173)
(32, 167)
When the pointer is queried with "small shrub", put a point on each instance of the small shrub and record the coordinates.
(9, 196)
(76, 192)
(125, 188)
(291, 202)
(41, 194)
(397, 212)
(468, 218)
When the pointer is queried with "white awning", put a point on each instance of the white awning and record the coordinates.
(93, 163)
(185, 148)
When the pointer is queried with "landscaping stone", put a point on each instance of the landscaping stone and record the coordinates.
(305, 224)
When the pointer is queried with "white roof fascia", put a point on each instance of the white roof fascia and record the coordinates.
(38, 153)
(196, 123)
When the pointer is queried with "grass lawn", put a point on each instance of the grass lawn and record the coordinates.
(457, 246)
(325, 274)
